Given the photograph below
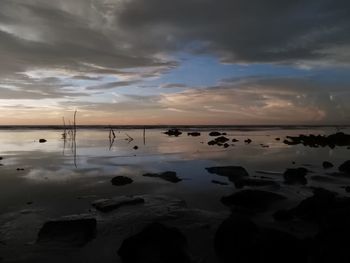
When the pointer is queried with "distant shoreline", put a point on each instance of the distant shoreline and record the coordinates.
(184, 127)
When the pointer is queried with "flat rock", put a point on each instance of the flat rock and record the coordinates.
(70, 232)
(233, 173)
(168, 176)
(107, 205)
(121, 180)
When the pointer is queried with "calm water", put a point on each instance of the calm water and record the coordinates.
(59, 179)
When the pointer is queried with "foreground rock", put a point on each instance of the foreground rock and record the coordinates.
(173, 132)
(345, 167)
(337, 139)
(295, 176)
(107, 205)
(256, 200)
(70, 232)
(168, 176)
(155, 243)
(233, 173)
(121, 180)
(240, 240)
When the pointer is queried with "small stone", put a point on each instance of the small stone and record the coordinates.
(42, 140)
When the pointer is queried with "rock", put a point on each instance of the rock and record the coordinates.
(327, 165)
(194, 134)
(278, 139)
(155, 243)
(218, 182)
(19, 169)
(107, 205)
(226, 145)
(337, 139)
(235, 140)
(221, 139)
(295, 176)
(233, 173)
(70, 232)
(347, 189)
(316, 206)
(173, 132)
(121, 180)
(283, 215)
(345, 167)
(42, 140)
(248, 141)
(252, 199)
(240, 240)
(240, 183)
(135, 147)
(214, 133)
(168, 176)
(1, 158)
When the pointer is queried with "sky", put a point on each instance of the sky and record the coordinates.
(165, 62)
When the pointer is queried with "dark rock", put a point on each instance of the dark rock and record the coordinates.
(107, 205)
(135, 147)
(121, 180)
(235, 140)
(232, 172)
(226, 145)
(155, 243)
(278, 139)
(19, 169)
(71, 232)
(168, 176)
(347, 189)
(327, 165)
(194, 134)
(345, 167)
(1, 158)
(29, 203)
(316, 206)
(214, 133)
(283, 215)
(173, 132)
(221, 139)
(337, 139)
(248, 141)
(239, 240)
(218, 182)
(295, 176)
(252, 199)
(42, 140)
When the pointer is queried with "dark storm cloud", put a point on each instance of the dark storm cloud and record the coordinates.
(241, 30)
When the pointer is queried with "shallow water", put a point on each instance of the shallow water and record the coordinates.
(62, 178)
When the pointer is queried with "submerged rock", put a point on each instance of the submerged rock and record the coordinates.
(345, 167)
(155, 243)
(295, 176)
(71, 232)
(107, 205)
(173, 132)
(327, 165)
(218, 182)
(168, 176)
(194, 134)
(121, 180)
(233, 173)
(252, 199)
